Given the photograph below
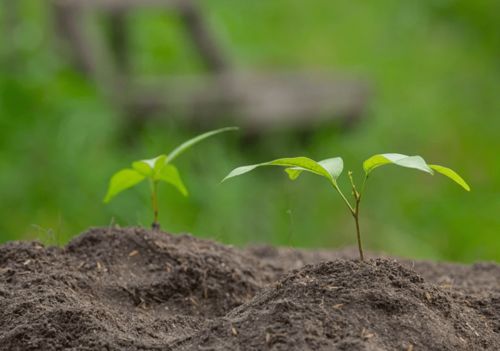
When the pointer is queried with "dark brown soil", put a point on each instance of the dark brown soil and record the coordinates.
(133, 289)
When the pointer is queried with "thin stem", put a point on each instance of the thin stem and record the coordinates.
(355, 213)
(358, 232)
(154, 202)
(343, 197)
(354, 190)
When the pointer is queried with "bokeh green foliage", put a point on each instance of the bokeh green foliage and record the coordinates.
(434, 72)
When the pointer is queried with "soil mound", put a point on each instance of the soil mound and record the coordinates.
(348, 305)
(118, 289)
(134, 289)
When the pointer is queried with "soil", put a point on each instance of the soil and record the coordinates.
(134, 289)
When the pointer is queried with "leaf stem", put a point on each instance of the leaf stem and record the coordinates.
(351, 209)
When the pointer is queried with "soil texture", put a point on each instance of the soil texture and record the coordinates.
(135, 289)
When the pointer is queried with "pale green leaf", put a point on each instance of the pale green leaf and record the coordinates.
(159, 163)
(334, 166)
(452, 175)
(293, 163)
(143, 168)
(170, 174)
(415, 162)
(121, 181)
(380, 160)
(293, 173)
(187, 144)
(151, 166)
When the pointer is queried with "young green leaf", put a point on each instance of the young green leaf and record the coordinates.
(170, 174)
(159, 163)
(452, 175)
(334, 166)
(415, 162)
(143, 168)
(300, 163)
(150, 167)
(187, 144)
(122, 180)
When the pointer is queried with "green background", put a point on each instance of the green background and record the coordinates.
(435, 75)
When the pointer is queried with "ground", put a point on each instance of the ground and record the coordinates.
(135, 289)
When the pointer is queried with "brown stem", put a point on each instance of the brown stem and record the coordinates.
(358, 233)
(154, 201)
(355, 214)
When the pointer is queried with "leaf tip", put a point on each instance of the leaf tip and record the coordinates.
(225, 178)
(448, 172)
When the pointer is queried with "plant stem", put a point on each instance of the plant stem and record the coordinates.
(348, 204)
(358, 233)
(355, 213)
(154, 201)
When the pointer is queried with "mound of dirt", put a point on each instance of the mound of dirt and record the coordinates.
(347, 305)
(134, 289)
(118, 289)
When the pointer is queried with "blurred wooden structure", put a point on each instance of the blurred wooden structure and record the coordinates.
(256, 100)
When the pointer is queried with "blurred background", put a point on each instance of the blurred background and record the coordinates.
(87, 87)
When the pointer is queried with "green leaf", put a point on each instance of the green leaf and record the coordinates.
(334, 166)
(159, 163)
(187, 144)
(293, 164)
(121, 181)
(293, 172)
(452, 175)
(170, 174)
(415, 162)
(143, 168)
(150, 167)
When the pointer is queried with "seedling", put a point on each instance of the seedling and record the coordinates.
(332, 168)
(156, 170)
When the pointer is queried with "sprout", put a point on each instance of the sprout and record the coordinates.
(156, 170)
(332, 168)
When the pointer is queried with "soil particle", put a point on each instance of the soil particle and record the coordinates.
(134, 289)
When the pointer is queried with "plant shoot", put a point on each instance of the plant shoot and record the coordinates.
(332, 168)
(156, 170)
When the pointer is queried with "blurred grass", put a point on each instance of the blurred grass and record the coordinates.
(435, 73)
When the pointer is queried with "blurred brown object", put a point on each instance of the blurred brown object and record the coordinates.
(256, 101)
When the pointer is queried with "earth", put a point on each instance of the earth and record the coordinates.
(136, 289)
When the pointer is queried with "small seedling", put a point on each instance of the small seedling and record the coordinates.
(156, 170)
(332, 168)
